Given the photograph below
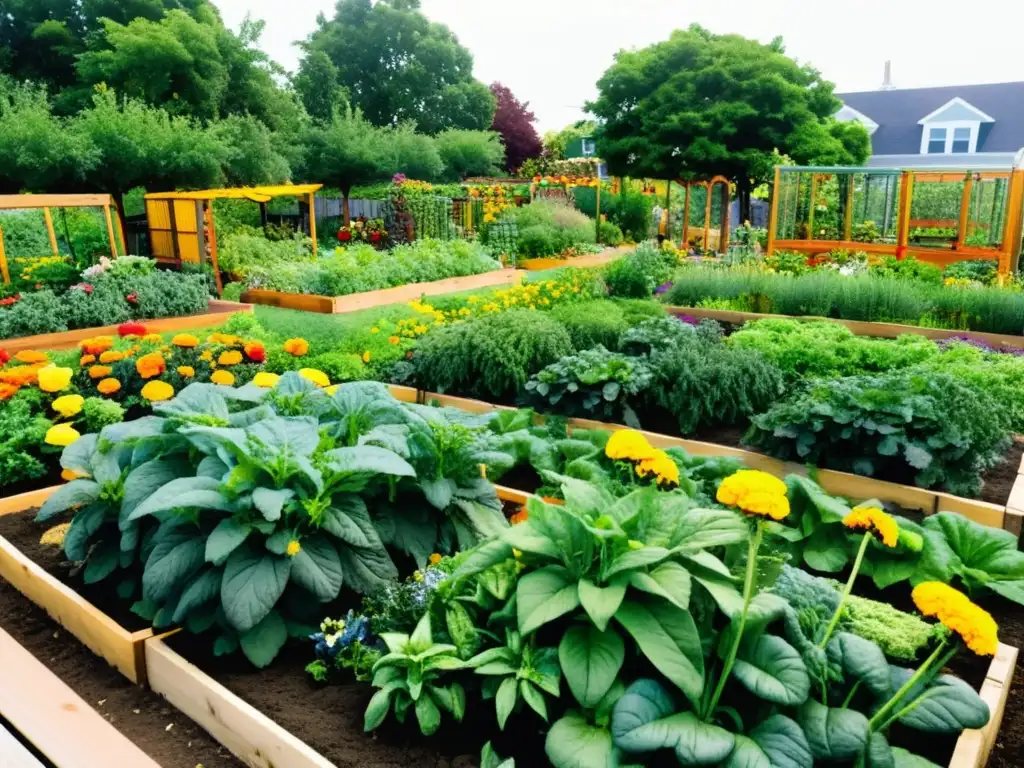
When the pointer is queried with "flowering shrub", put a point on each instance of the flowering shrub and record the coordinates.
(362, 230)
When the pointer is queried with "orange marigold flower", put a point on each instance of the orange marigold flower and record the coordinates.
(519, 517)
(873, 520)
(20, 375)
(151, 365)
(111, 356)
(255, 351)
(100, 371)
(186, 371)
(157, 391)
(223, 378)
(97, 345)
(30, 357)
(230, 357)
(185, 340)
(7, 391)
(955, 610)
(296, 347)
(108, 386)
(87, 360)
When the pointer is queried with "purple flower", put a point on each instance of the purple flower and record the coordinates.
(979, 344)
(688, 319)
(398, 178)
(663, 288)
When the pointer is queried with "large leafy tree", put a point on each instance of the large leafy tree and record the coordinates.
(317, 86)
(701, 104)
(397, 66)
(251, 155)
(470, 153)
(514, 122)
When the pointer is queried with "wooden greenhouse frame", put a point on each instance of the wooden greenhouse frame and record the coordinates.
(1006, 254)
(709, 186)
(182, 228)
(45, 203)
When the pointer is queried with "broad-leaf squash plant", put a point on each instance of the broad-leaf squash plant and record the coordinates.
(241, 510)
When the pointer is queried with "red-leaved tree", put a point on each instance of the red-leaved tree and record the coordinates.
(515, 122)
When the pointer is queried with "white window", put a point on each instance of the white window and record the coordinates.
(589, 150)
(952, 138)
(936, 141)
(961, 141)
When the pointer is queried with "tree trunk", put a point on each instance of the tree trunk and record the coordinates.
(743, 189)
(346, 217)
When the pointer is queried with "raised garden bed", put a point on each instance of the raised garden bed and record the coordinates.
(579, 262)
(354, 302)
(859, 327)
(99, 632)
(217, 312)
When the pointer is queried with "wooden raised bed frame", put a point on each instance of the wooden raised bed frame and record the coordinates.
(217, 312)
(97, 631)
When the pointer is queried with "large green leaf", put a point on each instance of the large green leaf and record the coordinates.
(263, 642)
(668, 580)
(78, 455)
(317, 567)
(746, 754)
(833, 734)
(643, 721)
(772, 669)
(601, 603)
(102, 562)
(365, 570)
(253, 583)
(669, 639)
(526, 538)
(783, 742)
(184, 492)
(879, 753)
(270, 501)
(545, 595)
(73, 494)
(573, 743)
(505, 700)
(980, 554)
(590, 660)
(202, 589)
(862, 660)
(484, 556)
(146, 479)
(348, 519)
(702, 529)
(174, 559)
(946, 705)
(905, 759)
(85, 523)
(825, 550)
(369, 459)
(636, 558)
(228, 536)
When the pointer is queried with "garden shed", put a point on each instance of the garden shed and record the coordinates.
(938, 215)
(182, 228)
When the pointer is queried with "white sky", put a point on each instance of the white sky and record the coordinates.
(552, 52)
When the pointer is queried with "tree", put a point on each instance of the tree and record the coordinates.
(470, 153)
(317, 86)
(701, 104)
(398, 66)
(414, 154)
(251, 157)
(138, 145)
(556, 142)
(348, 150)
(514, 122)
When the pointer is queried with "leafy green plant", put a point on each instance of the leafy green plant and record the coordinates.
(591, 323)
(518, 672)
(636, 275)
(22, 429)
(907, 268)
(593, 383)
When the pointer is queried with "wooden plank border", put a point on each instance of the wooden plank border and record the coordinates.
(974, 746)
(97, 631)
(859, 327)
(837, 483)
(217, 312)
(249, 734)
(56, 720)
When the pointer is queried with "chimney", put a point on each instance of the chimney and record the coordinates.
(887, 79)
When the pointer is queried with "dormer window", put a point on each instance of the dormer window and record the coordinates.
(962, 140)
(952, 129)
(936, 141)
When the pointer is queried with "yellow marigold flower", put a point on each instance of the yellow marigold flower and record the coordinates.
(435, 559)
(158, 391)
(366, 357)
(87, 360)
(54, 537)
(766, 505)
(628, 444)
(154, 338)
(100, 371)
(185, 340)
(394, 340)
(151, 365)
(265, 380)
(873, 520)
(71, 474)
(955, 610)
(69, 405)
(296, 347)
(111, 356)
(661, 466)
(30, 357)
(224, 378)
(317, 377)
(54, 379)
(231, 357)
(108, 386)
(332, 389)
(207, 356)
(293, 548)
(746, 481)
(186, 371)
(61, 435)
(213, 338)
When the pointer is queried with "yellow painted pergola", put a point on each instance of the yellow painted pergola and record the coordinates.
(46, 202)
(182, 227)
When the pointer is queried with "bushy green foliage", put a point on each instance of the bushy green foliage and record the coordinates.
(637, 310)
(22, 429)
(548, 227)
(490, 357)
(339, 366)
(656, 334)
(24, 234)
(99, 412)
(610, 234)
(592, 323)
(637, 274)
(907, 268)
(979, 270)
(246, 248)
(32, 314)
(932, 429)
(467, 153)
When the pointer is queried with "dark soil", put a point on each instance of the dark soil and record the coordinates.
(162, 732)
(329, 717)
(21, 530)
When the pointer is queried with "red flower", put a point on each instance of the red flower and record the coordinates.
(131, 329)
(4, 357)
(132, 298)
(255, 352)
(375, 237)
(344, 235)
(10, 300)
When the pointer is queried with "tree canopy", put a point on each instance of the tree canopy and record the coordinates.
(514, 122)
(398, 66)
(701, 104)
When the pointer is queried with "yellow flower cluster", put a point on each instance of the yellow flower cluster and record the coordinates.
(756, 493)
(629, 445)
(34, 263)
(873, 520)
(956, 611)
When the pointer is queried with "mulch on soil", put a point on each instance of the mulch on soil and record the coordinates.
(166, 735)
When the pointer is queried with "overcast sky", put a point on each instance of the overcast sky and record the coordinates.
(552, 52)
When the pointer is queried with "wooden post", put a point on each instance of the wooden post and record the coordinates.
(1011, 244)
(684, 242)
(312, 219)
(175, 245)
(50, 233)
(810, 206)
(210, 226)
(965, 212)
(903, 212)
(3, 261)
(707, 215)
(120, 228)
(668, 211)
(848, 212)
(723, 237)
(110, 231)
(773, 214)
(597, 214)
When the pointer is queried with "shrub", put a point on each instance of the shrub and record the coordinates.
(491, 357)
(976, 270)
(22, 430)
(537, 241)
(928, 427)
(637, 310)
(637, 274)
(610, 234)
(592, 323)
(656, 333)
(98, 412)
(338, 366)
(907, 268)
(32, 314)
(549, 227)
(633, 214)
(246, 248)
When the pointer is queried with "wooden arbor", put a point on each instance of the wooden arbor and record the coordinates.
(937, 215)
(182, 227)
(46, 202)
(698, 216)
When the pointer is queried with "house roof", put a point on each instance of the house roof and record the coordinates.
(898, 114)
